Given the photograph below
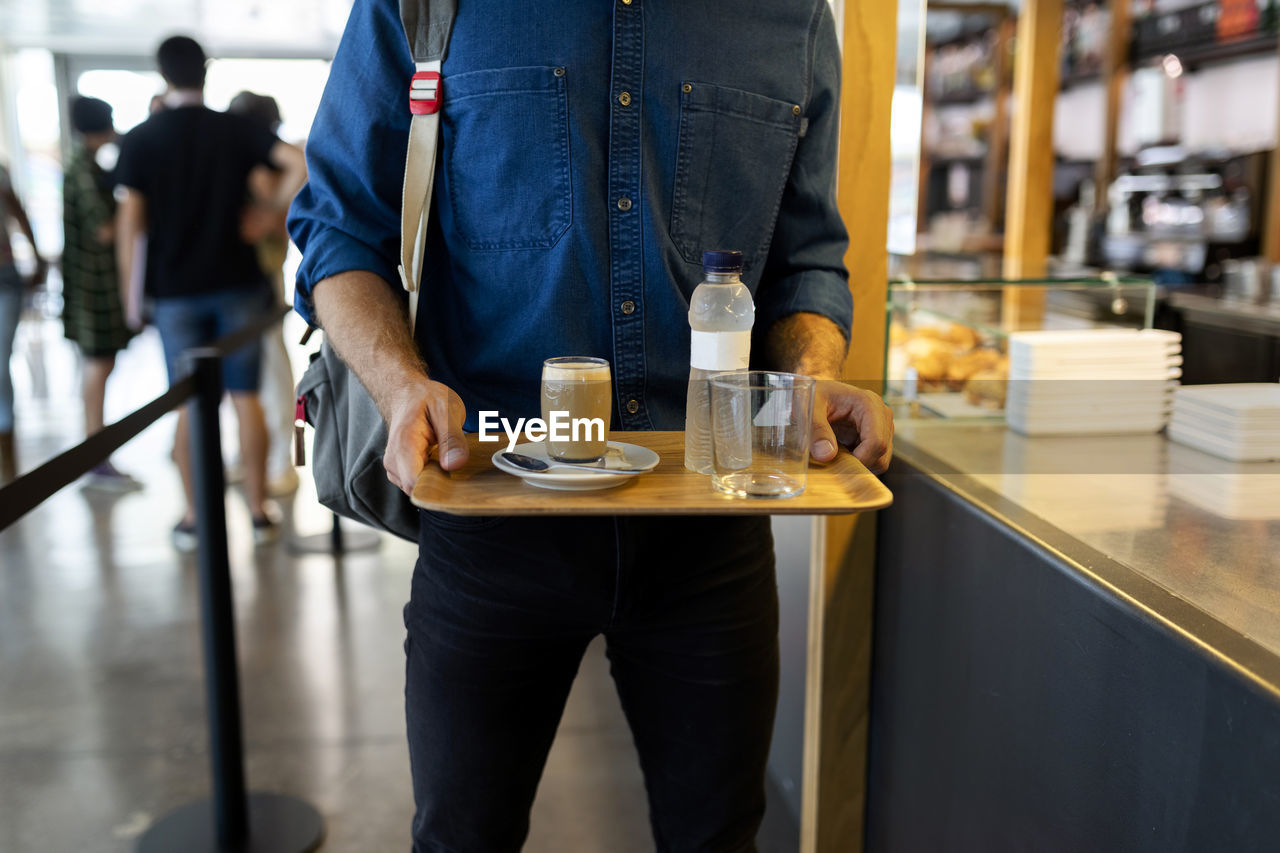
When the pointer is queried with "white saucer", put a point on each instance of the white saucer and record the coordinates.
(619, 455)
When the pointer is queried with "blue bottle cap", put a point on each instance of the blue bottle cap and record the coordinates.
(722, 261)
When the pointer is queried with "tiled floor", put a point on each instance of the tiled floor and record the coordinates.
(101, 695)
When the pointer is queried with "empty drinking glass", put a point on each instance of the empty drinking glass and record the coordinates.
(760, 423)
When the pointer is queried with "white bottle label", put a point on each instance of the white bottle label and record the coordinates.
(720, 350)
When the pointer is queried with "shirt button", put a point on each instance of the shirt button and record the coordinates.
(633, 406)
(625, 99)
(628, 307)
(624, 203)
(626, 2)
(686, 88)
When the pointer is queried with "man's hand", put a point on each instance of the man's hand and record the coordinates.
(257, 223)
(9, 202)
(427, 414)
(365, 322)
(261, 217)
(851, 417)
(40, 274)
(843, 415)
(292, 166)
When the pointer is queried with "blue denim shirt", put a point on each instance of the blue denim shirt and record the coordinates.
(589, 153)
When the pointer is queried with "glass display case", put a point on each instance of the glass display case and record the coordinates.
(947, 342)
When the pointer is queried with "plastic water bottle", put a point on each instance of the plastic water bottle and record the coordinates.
(720, 316)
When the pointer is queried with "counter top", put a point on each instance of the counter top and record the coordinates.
(1237, 313)
(1193, 539)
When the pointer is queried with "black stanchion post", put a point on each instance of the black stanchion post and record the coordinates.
(232, 819)
(217, 614)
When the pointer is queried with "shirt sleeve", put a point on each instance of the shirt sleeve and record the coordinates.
(129, 165)
(805, 270)
(347, 217)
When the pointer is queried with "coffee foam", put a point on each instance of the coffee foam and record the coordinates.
(575, 371)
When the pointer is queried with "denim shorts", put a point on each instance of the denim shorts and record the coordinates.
(193, 321)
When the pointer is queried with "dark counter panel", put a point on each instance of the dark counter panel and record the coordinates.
(1213, 354)
(1019, 705)
(1224, 340)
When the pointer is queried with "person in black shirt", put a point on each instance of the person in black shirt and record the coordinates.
(185, 174)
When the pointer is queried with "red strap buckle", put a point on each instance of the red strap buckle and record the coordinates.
(424, 93)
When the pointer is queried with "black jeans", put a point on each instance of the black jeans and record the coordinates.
(500, 614)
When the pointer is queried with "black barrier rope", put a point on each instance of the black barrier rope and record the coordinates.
(232, 341)
(35, 487)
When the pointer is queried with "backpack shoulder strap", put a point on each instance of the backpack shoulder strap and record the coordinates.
(427, 27)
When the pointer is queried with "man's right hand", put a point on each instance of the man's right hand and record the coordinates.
(365, 321)
(427, 414)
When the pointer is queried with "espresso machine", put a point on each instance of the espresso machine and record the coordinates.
(1184, 219)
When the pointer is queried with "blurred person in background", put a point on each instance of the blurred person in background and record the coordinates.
(185, 175)
(264, 227)
(12, 288)
(92, 314)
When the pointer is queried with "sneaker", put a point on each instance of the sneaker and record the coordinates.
(284, 484)
(265, 530)
(107, 478)
(184, 537)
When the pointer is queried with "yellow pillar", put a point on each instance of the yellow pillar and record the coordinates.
(1029, 205)
(1271, 222)
(842, 556)
(869, 43)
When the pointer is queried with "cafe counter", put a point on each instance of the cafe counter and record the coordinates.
(1224, 339)
(1076, 646)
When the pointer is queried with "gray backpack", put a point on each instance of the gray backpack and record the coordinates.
(350, 435)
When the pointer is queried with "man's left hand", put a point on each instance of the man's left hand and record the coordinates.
(844, 415)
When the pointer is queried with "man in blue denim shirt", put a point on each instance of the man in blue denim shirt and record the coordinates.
(589, 153)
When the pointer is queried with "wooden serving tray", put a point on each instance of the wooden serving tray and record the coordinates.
(841, 486)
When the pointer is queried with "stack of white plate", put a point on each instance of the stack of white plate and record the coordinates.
(1238, 422)
(1092, 381)
(1244, 491)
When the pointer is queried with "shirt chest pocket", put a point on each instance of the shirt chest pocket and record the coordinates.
(735, 152)
(505, 134)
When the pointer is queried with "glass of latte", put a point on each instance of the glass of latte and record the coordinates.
(577, 394)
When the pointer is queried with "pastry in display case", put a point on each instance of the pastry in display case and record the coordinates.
(948, 341)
